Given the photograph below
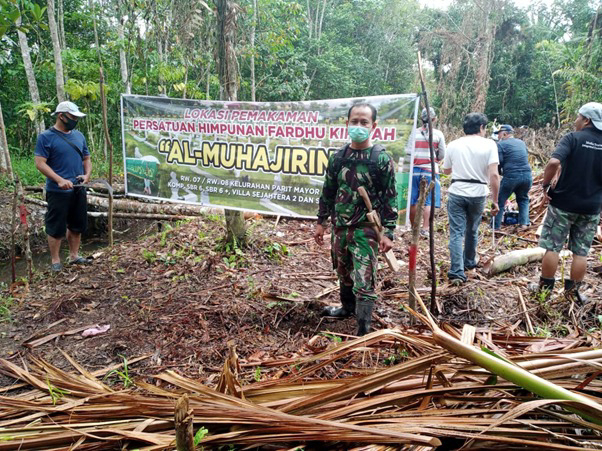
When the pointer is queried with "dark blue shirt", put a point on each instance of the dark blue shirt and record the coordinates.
(61, 156)
(513, 157)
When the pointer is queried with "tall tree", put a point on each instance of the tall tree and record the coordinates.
(56, 48)
(483, 51)
(253, 31)
(5, 163)
(123, 65)
(227, 16)
(61, 23)
(31, 80)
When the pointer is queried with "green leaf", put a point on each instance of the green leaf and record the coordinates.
(13, 15)
(200, 435)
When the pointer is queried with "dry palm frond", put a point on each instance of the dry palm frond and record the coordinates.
(430, 397)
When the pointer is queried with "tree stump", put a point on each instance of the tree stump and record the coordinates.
(183, 420)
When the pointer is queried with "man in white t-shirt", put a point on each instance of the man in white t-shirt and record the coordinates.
(473, 162)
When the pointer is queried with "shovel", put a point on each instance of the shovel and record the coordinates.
(373, 217)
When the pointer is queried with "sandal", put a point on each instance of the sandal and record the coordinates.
(79, 261)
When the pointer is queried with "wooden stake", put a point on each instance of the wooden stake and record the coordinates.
(25, 225)
(433, 189)
(526, 312)
(414, 245)
(103, 99)
(183, 421)
(13, 243)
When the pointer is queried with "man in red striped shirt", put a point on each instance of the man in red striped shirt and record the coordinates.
(422, 167)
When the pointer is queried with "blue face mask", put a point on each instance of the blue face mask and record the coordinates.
(359, 134)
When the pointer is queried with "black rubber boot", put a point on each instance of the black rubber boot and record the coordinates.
(571, 291)
(364, 317)
(545, 286)
(347, 304)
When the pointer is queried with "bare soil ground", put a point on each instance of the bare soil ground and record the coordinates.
(180, 296)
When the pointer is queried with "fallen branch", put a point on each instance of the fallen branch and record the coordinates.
(526, 312)
(519, 257)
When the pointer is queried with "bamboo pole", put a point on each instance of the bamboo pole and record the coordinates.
(433, 189)
(103, 100)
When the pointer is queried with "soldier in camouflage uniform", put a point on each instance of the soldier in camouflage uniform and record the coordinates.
(575, 201)
(355, 243)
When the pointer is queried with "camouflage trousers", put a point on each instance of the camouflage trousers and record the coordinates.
(354, 256)
(580, 229)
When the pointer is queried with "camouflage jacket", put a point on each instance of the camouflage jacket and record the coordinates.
(341, 200)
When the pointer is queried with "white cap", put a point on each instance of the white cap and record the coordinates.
(68, 107)
(592, 111)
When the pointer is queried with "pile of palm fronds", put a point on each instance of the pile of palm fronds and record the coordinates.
(430, 397)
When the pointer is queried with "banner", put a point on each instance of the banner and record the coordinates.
(267, 157)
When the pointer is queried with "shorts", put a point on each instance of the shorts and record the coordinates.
(66, 210)
(416, 189)
(580, 228)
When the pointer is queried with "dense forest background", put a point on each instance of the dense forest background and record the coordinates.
(531, 67)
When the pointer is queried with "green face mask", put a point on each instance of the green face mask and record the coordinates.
(359, 134)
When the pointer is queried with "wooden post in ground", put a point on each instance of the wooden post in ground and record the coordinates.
(183, 422)
(416, 225)
(25, 225)
(103, 100)
(13, 241)
(433, 189)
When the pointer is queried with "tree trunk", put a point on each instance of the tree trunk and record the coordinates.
(484, 56)
(123, 65)
(515, 258)
(226, 35)
(207, 93)
(253, 28)
(96, 40)
(5, 163)
(61, 16)
(31, 79)
(56, 47)
(185, 78)
(183, 419)
(103, 100)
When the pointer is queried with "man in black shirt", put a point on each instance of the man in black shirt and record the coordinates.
(575, 200)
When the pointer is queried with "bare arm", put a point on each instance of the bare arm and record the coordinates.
(549, 173)
(447, 171)
(494, 184)
(87, 168)
(43, 167)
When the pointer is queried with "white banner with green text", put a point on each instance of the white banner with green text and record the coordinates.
(266, 157)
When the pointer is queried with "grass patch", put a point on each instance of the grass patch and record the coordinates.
(6, 303)
(26, 169)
